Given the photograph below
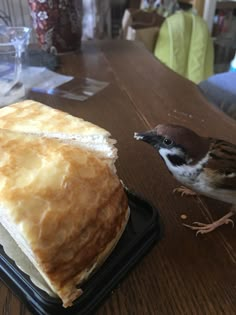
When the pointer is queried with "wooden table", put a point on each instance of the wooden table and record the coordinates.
(182, 274)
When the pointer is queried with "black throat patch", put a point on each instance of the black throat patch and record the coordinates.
(176, 160)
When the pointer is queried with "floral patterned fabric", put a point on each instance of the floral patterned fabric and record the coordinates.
(57, 24)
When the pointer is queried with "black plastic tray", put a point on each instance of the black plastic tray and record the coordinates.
(142, 231)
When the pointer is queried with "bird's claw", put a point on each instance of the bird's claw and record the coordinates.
(184, 191)
(227, 221)
(203, 228)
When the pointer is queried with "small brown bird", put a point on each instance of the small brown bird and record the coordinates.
(206, 166)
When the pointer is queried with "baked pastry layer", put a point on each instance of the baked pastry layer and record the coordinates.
(62, 204)
(36, 118)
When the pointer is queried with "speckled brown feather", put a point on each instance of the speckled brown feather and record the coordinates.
(222, 164)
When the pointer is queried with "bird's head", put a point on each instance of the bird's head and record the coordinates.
(176, 144)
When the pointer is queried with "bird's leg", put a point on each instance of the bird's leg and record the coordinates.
(203, 228)
(184, 191)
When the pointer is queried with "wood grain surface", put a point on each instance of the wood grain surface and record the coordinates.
(182, 274)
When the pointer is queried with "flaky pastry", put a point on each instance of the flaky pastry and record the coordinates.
(63, 205)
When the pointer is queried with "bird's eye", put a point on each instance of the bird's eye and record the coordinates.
(167, 142)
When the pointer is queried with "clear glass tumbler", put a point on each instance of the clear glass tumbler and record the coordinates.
(13, 42)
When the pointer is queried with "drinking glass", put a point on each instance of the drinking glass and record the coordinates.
(13, 43)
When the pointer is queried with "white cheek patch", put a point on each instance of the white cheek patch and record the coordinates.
(186, 174)
(164, 153)
(173, 151)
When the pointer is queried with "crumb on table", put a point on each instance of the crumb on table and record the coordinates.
(183, 216)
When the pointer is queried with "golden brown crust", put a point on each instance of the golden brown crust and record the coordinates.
(70, 295)
(36, 118)
(66, 203)
(33, 117)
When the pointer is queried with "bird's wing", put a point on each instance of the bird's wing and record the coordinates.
(221, 165)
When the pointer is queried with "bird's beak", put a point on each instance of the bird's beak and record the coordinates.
(149, 136)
